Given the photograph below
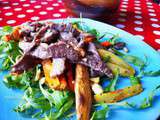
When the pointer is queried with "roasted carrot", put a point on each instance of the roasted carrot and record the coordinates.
(53, 83)
(63, 82)
(70, 77)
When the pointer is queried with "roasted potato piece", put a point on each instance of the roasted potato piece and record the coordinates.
(118, 95)
(82, 93)
(115, 61)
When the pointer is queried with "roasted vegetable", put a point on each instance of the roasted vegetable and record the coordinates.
(122, 71)
(52, 82)
(58, 82)
(70, 77)
(118, 95)
(115, 62)
(82, 93)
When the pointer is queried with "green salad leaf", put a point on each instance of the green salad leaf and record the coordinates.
(112, 85)
(134, 80)
(101, 114)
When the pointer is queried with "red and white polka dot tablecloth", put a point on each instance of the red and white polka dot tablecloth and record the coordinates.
(139, 17)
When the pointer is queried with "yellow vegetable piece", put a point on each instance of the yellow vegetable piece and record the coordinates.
(51, 82)
(116, 62)
(119, 95)
(122, 71)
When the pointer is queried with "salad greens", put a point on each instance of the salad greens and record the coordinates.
(43, 103)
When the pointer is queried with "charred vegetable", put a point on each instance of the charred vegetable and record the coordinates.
(119, 95)
(115, 62)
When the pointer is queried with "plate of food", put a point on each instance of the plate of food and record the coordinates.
(76, 68)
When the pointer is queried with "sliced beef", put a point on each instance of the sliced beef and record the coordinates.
(41, 52)
(26, 46)
(58, 66)
(25, 63)
(64, 50)
(94, 73)
(93, 60)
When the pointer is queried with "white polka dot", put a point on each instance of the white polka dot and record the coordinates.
(138, 16)
(138, 29)
(32, 1)
(7, 7)
(152, 14)
(151, 10)
(26, 5)
(18, 9)
(49, 8)
(138, 12)
(122, 14)
(56, 15)
(154, 19)
(121, 19)
(21, 15)
(149, 3)
(124, 2)
(120, 25)
(44, 3)
(37, 6)
(35, 18)
(1, 19)
(11, 21)
(22, 0)
(29, 11)
(138, 22)
(156, 32)
(15, 4)
(140, 37)
(137, 4)
(55, 4)
(123, 10)
(155, 25)
(8, 14)
(157, 41)
(43, 13)
(5, 2)
(150, 6)
(62, 10)
(137, 8)
(124, 6)
(137, 1)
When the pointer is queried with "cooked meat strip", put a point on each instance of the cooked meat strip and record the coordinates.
(93, 60)
(25, 63)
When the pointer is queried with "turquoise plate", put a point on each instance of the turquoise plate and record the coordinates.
(10, 98)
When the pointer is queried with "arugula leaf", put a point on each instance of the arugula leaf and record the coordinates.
(112, 85)
(147, 102)
(101, 114)
(152, 73)
(7, 29)
(131, 59)
(134, 80)
(21, 81)
(10, 51)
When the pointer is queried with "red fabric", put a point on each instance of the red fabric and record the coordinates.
(139, 17)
